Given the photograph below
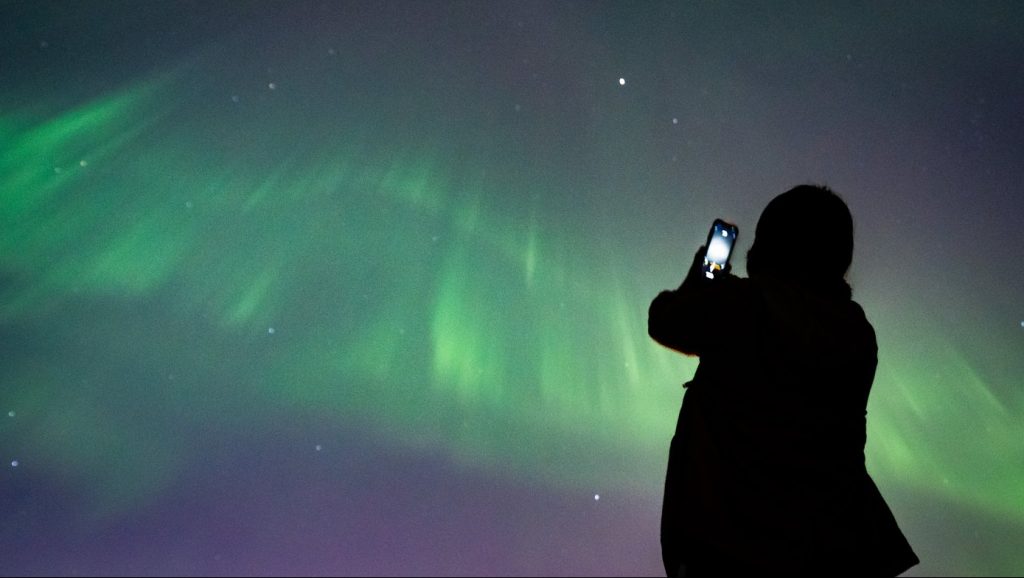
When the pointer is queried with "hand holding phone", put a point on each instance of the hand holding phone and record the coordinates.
(721, 241)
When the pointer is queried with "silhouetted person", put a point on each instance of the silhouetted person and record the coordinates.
(766, 471)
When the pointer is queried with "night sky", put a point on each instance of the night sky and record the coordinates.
(362, 288)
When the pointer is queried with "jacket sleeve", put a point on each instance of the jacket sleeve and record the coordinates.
(699, 317)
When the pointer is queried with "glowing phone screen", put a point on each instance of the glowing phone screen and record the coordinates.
(720, 244)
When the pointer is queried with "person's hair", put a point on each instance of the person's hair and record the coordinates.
(805, 235)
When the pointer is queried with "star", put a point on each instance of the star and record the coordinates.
(622, 82)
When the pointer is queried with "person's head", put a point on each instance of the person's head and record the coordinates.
(805, 235)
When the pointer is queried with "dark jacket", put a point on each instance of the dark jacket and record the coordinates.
(766, 469)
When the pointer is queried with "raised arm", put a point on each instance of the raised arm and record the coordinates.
(700, 315)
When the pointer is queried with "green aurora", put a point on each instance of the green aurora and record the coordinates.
(500, 327)
(390, 285)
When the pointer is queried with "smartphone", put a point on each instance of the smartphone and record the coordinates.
(721, 241)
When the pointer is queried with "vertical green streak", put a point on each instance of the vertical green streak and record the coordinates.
(939, 425)
(468, 329)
